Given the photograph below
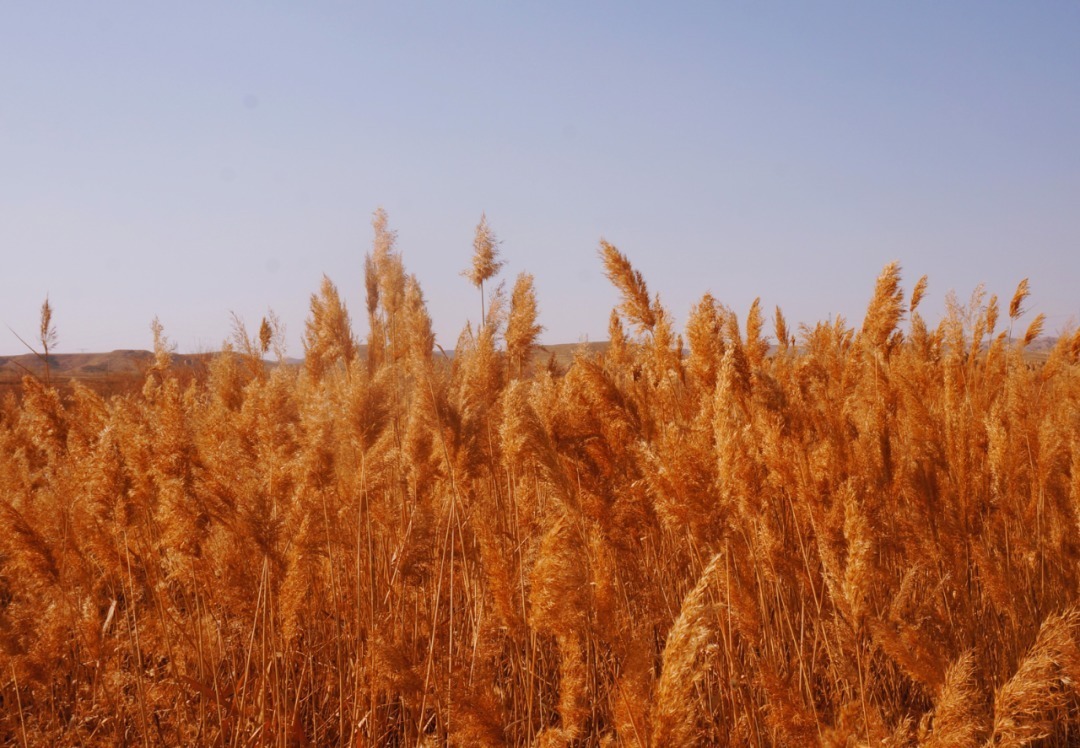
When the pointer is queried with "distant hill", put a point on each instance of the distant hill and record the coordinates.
(85, 364)
(105, 373)
(124, 370)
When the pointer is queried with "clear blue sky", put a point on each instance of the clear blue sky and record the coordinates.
(185, 160)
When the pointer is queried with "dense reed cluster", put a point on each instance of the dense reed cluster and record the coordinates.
(840, 537)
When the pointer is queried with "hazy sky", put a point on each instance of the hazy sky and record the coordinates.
(187, 160)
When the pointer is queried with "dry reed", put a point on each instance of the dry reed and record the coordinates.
(850, 537)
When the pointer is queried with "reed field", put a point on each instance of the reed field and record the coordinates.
(851, 533)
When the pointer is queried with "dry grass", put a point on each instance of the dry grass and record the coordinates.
(850, 537)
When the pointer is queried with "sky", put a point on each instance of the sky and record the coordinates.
(188, 161)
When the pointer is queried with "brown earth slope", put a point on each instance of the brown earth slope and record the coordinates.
(122, 371)
(105, 373)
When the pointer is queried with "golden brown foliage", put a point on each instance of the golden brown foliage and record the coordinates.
(854, 538)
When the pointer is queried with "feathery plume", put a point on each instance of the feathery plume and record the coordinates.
(674, 714)
(917, 294)
(328, 333)
(521, 329)
(885, 309)
(1016, 305)
(485, 260)
(636, 305)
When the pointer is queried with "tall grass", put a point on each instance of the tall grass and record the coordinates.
(852, 537)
